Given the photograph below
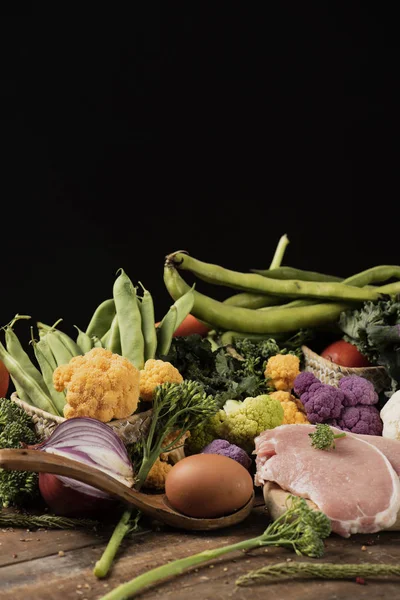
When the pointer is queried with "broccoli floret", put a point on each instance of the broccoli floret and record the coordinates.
(323, 438)
(16, 427)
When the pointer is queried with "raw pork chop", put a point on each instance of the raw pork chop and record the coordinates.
(389, 447)
(354, 485)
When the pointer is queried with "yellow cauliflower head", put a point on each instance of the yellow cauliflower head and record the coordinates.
(293, 409)
(154, 373)
(281, 370)
(100, 384)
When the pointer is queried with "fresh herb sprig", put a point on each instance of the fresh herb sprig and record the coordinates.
(311, 570)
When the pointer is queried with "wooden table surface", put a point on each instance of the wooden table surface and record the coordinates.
(58, 564)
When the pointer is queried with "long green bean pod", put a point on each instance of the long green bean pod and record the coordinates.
(253, 282)
(64, 338)
(293, 273)
(146, 306)
(83, 340)
(176, 314)
(31, 387)
(14, 347)
(129, 319)
(113, 342)
(21, 393)
(279, 253)
(102, 318)
(249, 300)
(61, 353)
(47, 364)
(275, 320)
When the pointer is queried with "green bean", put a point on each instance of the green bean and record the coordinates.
(14, 347)
(275, 320)
(228, 337)
(176, 314)
(279, 252)
(293, 273)
(102, 318)
(146, 306)
(84, 341)
(31, 387)
(377, 274)
(22, 395)
(48, 364)
(129, 319)
(97, 343)
(61, 353)
(257, 283)
(249, 300)
(114, 340)
(64, 338)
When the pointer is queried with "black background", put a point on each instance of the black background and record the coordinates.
(210, 127)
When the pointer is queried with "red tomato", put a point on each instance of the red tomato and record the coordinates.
(345, 354)
(191, 325)
(4, 380)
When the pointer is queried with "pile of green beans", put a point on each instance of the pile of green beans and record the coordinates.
(124, 324)
(277, 300)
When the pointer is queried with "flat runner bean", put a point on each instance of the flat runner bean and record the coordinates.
(257, 283)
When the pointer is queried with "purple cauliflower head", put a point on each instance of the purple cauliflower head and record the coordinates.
(358, 390)
(231, 450)
(323, 403)
(303, 382)
(362, 418)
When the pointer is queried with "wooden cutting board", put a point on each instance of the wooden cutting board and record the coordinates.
(275, 501)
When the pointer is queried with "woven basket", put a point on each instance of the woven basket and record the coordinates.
(329, 372)
(129, 429)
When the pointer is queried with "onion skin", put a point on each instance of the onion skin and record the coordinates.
(68, 502)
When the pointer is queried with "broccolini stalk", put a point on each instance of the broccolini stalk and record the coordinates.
(177, 407)
(299, 528)
(323, 437)
(125, 525)
(309, 570)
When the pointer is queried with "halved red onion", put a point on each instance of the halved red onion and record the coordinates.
(90, 442)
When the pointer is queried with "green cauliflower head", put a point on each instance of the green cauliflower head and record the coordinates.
(239, 422)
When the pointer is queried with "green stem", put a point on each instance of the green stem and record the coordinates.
(131, 588)
(103, 565)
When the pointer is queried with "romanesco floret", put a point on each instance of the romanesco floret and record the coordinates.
(100, 384)
(154, 373)
(281, 370)
(239, 422)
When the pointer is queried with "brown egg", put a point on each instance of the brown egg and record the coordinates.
(208, 485)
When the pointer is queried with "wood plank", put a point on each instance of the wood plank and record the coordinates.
(48, 576)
